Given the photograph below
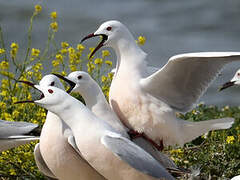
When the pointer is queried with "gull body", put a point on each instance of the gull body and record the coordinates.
(13, 134)
(97, 103)
(54, 155)
(147, 102)
(110, 153)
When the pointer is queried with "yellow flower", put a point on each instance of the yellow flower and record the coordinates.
(38, 8)
(141, 40)
(110, 75)
(73, 68)
(4, 65)
(30, 73)
(98, 61)
(105, 53)
(54, 15)
(55, 63)
(14, 99)
(80, 47)
(71, 50)
(3, 105)
(104, 78)
(14, 49)
(54, 26)
(64, 44)
(64, 51)
(108, 62)
(35, 52)
(59, 57)
(63, 73)
(12, 172)
(230, 139)
(14, 45)
(2, 51)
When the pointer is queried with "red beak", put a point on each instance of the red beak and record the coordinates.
(104, 38)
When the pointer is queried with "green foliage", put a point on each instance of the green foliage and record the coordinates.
(215, 154)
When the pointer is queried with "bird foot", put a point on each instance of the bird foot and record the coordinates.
(134, 134)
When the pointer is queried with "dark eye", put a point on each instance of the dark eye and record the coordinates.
(50, 91)
(109, 28)
(79, 77)
(238, 74)
(52, 84)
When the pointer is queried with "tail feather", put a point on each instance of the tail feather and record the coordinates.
(192, 130)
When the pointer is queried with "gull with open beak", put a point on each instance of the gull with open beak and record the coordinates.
(147, 103)
(234, 81)
(87, 87)
(54, 155)
(106, 150)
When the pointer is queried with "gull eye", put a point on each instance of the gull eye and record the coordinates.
(79, 77)
(238, 74)
(52, 83)
(109, 28)
(50, 91)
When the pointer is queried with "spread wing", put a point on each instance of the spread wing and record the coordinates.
(182, 81)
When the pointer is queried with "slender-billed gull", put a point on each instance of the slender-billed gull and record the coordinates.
(13, 134)
(54, 155)
(147, 103)
(95, 100)
(110, 153)
(234, 81)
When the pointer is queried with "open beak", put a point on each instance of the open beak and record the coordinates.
(104, 39)
(33, 86)
(71, 83)
(227, 85)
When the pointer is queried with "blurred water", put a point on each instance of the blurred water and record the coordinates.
(171, 27)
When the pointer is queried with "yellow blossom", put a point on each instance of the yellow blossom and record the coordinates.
(80, 47)
(71, 50)
(63, 73)
(14, 99)
(110, 75)
(141, 40)
(73, 68)
(38, 8)
(2, 51)
(4, 65)
(35, 52)
(12, 172)
(14, 45)
(105, 53)
(54, 15)
(98, 61)
(230, 139)
(104, 78)
(55, 63)
(64, 51)
(54, 26)
(59, 57)
(3, 105)
(64, 44)
(108, 62)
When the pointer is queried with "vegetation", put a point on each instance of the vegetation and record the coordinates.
(214, 155)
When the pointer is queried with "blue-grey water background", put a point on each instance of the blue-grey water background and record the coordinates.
(171, 27)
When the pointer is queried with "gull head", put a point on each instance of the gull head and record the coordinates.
(81, 81)
(234, 81)
(51, 80)
(51, 98)
(111, 32)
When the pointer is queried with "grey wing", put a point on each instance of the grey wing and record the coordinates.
(134, 155)
(12, 128)
(14, 141)
(72, 142)
(182, 81)
(42, 166)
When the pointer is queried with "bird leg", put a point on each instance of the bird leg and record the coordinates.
(134, 134)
